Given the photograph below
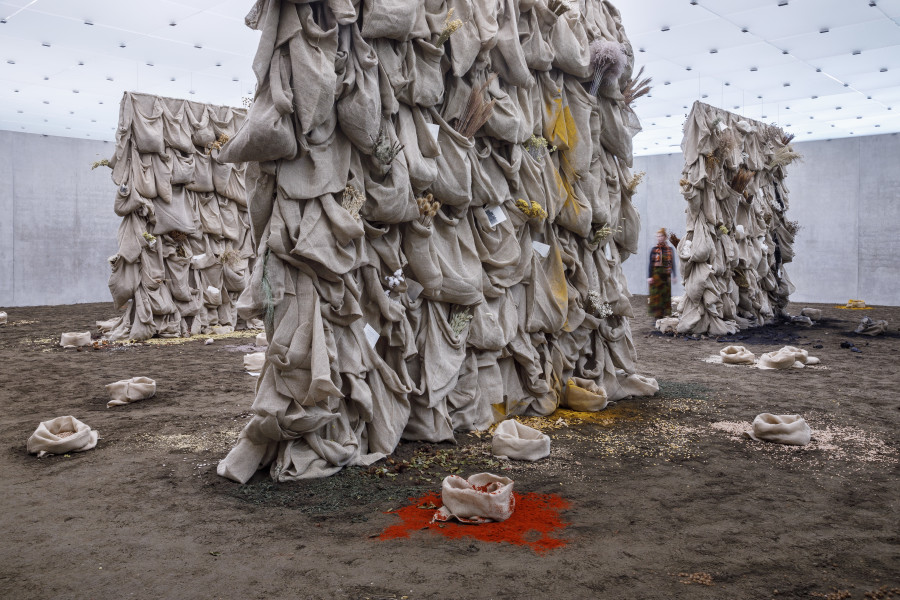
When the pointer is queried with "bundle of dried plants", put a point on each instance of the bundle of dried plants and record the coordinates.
(674, 239)
(450, 25)
(608, 60)
(428, 208)
(478, 110)
(783, 156)
(459, 319)
(100, 163)
(635, 181)
(532, 210)
(352, 201)
(793, 227)
(636, 88)
(385, 150)
(535, 146)
(217, 145)
(741, 180)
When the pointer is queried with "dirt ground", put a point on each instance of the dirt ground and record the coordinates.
(666, 499)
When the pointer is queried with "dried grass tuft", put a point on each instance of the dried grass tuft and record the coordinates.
(478, 110)
(636, 88)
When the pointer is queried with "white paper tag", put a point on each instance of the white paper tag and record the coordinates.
(413, 289)
(197, 258)
(495, 215)
(607, 251)
(212, 290)
(434, 129)
(371, 335)
(541, 248)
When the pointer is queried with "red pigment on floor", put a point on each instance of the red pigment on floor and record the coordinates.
(534, 518)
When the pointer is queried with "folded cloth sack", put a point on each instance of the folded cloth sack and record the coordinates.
(737, 355)
(484, 498)
(786, 358)
(780, 429)
(74, 339)
(667, 325)
(869, 326)
(520, 442)
(2, 318)
(254, 361)
(61, 435)
(802, 320)
(261, 339)
(131, 390)
(856, 304)
(585, 395)
(813, 313)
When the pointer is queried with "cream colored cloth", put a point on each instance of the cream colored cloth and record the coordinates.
(2, 318)
(737, 355)
(519, 442)
(61, 435)
(667, 325)
(483, 498)
(786, 358)
(261, 339)
(74, 339)
(254, 361)
(792, 430)
(131, 390)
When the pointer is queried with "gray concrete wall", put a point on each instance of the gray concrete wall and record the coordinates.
(57, 225)
(846, 196)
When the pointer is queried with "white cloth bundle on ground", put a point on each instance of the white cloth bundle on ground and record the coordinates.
(667, 325)
(792, 430)
(131, 390)
(2, 318)
(584, 395)
(737, 355)
(254, 361)
(61, 435)
(74, 339)
(869, 326)
(519, 442)
(261, 339)
(786, 358)
(801, 320)
(813, 313)
(483, 498)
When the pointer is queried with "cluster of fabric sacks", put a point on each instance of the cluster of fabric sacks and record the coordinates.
(401, 322)
(184, 241)
(738, 239)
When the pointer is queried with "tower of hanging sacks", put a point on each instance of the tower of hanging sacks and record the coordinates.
(738, 236)
(440, 200)
(184, 243)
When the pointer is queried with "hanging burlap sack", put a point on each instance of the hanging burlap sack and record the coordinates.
(780, 429)
(202, 133)
(175, 126)
(508, 57)
(321, 168)
(60, 436)
(537, 51)
(182, 167)
(203, 180)
(571, 46)
(75, 339)
(393, 19)
(737, 355)
(147, 124)
(483, 498)
(519, 442)
(465, 43)
(131, 390)
(176, 215)
(419, 147)
(453, 185)
(358, 101)
(313, 51)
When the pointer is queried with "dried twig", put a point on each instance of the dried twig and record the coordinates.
(741, 180)
(636, 88)
(478, 111)
(385, 150)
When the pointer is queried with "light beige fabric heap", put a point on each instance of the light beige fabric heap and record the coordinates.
(792, 430)
(387, 324)
(184, 243)
(483, 498)
(870, 326)
(261, 339)
(519, 442)
(813, 313)
(737, 355)
(61, 435)
(74, 339)
(736, 244)
(2, 318)
(667, 325)
(131, 390)
(254, 361)
(786, 358)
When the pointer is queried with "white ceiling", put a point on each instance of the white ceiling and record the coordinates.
(819, 68)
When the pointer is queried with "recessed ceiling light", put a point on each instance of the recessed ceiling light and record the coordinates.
(88, 22)
(786, 84)
(80, 63)
(121, 44)
(883, 70)
(10, 61)
(727, 83)
(74, 91)
(46, 102)
(703, 96)
(856, 52)
(171, 79)
(45, 44)
(641, 50)
(235, 79)
(782, 2)
(173, 24)
(218, 64)
(823, 30)
(46, 78)
(754, 69)
(838, 107)
(109, 78)
(744, 30)
(667, 82)
(813, 97)
(859, 117)
(688, 68)
(759, 97)
(765, 117)
(198, 46)
(784, 52)
(192, 92)
(713, 51)
(664, 28)
(20, 111)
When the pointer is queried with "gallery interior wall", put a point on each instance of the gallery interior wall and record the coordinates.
(57, 225)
